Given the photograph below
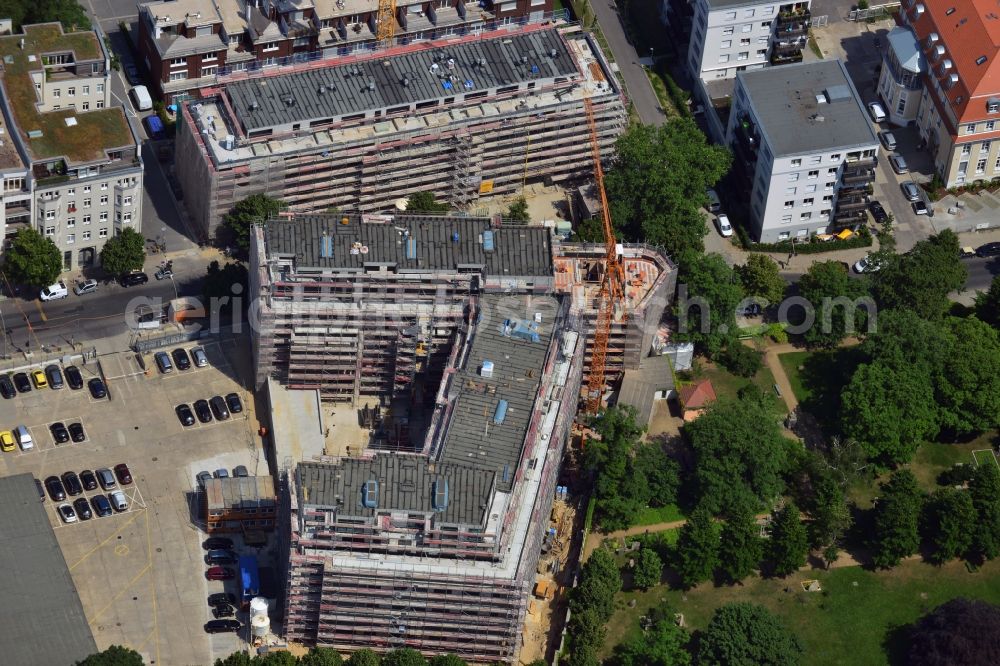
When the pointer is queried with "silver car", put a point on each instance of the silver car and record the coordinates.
(910, 190)
(85, 287)
(200, 359)
(898, 164)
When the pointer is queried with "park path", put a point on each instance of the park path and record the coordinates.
(780, 378)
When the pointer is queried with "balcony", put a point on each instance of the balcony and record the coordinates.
(847, 218)
(301, 28)
(793, 22)
(747, 140)
(784, 54)
(851, 204)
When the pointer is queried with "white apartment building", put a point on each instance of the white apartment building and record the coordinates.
(730, 36)
(70, 162)
(804, 143)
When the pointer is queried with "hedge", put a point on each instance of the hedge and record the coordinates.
(862, 239)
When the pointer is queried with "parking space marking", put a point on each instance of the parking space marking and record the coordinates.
(146, 569)
(98, 546)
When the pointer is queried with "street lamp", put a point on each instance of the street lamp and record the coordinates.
(174, 284)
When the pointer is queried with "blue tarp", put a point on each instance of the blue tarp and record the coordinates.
(249, 577)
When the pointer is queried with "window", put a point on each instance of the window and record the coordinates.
(56, 92)
(86, 235)
(13, 184)
(765, 25)
(100, 104)
(785, 235)
(996, 167)
(727, 31)
(70, 239)
(745, 42)
(790, 191)
(991, 125)
(792, 177)
(969, 129)
(835, 157)
(86, 219)
(810, 188)
(209, 71)
(725, 44)
(126, 217)
(178, 76)
(127, 201)
(730, 16)
(815, 159)
(748, 13)
(966, 149)
(102, 233)
(100, 87)
(50, 231)
(981, 166)
(746, 27)
(86, 106)
(86, 203)
(825, 212)
(70, 92)
(86, 90)
(805, 216)
(724, 57)
(71, 222)
(796, 162)
(985, 146)
(768, 11)
(814, 174)
(762, 39)
(104, 200)
(832, 170)
(104, 217)
(95, 68)
(761, 53)
(789, 204)
(786, 219)
(807, 202)
(273, 46)
(50, 215)
(963, 167)
(210, 57)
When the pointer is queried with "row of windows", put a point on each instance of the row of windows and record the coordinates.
(71, 238)
(787, 219)
(746, 27)
(71, 91)
(988, 126)
(963, 167)
(808, 201)
(750, 13)
(984, 147)
(103, 217)
(817, 159)
(205, 71)
(812, 175)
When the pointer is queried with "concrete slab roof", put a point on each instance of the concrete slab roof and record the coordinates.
(240, 492)
(410, 243)
(785, 102)
(42, 617)
(384, 82)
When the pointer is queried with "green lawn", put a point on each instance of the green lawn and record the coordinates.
(791, 362)
(846, 623)
(818, 378)
(663, 514)
(728, 385)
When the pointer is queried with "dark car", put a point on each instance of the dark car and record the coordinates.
(76, 432)
(240, 472)
(82, 508)
(132, 74)
(73, 377)
(203, 411)
(59, 432)
(133, 279)
(41, 490)
(750, 310)
(220, 557)
(54, 375)
(72, 483)
(202, 479)
(123, 474)
(217, 543)
(223, 611)
(7, 389)
(235, 405)
(97, 388)
(88, 479)
(184, 415)
(219, 573)
(219, 407)
(221, 599)
(222, 626)
(988, 250)
(22, 383)
(102, 507)
(55, 488)
(878, 212)
(181, 359)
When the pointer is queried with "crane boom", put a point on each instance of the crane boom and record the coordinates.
(612, 293)
(386, 27)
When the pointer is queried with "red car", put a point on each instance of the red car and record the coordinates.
(219, 573)
(124, 476)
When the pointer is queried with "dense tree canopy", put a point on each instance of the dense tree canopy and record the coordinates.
(32, 259)
(834, 297)
(116, 655)
(984, 487)
(988, 304)
(124, 253)
(403, 657)
(895, 532)
(743, 634)
(760, 278)
(697, 552)
(740, 546)
(921, 279)
(658, 181)
(255, 209)
(26, 12)
(708, 294)
(518, 211)
(968, 390)
(789, 542)
(822, 497)
(648, 569)
(364, 657)
(320, 656)
(663, 643)
(424, 202)
(960, 631)
(948, 522)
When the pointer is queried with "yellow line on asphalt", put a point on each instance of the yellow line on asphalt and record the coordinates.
(38, 304)
(122, 591)
(152, 588)
(98, 546)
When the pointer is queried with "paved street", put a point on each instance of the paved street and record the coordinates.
(640, 91)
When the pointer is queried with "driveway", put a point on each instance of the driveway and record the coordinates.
(640, 92)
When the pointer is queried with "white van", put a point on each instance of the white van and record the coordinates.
(54, 291)
(24, 438)
(141, 98)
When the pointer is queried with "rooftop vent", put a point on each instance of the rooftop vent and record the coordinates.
(553, 53)
(371, 85)
(487, 369)
(451, 63)
(406, 81)
(931, 39)
(949, 11)
(938, 51)
(918, 10)
(288, 100)
(482, 62)
(321, 89)
(951, 80)
(981, 60)
(369, 494)
(501, 413)
(440, 490)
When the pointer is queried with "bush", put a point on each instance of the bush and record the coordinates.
(862, 239)
(740, 360)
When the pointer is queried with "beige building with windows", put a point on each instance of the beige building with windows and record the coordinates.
(70, 161)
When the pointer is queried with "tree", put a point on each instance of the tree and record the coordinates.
(658, 181)
(988, 304)
(320, 656)
(223, 286)
(648, 569)
(740, 548)
(447, 660)
(518, 211)
(255, 209)
(364, 657)
(740, 359)
(697, 551)
(789, 541)
(706, 307)
(760, 278)
(281, 658)
(68, 12)
(960, 631)
(584, 655)
(587, 628)
(403, 657)
(948, 521)
(662, 644)
(239, 658)
(116, 655)
(124, 253)
(895, 533)
(424, 202)
(32, 259)
(600, 580)
(968, 390)
(744, 634)
(660, 471)
(984, 487)
(823, 499)
(739, 454)
(921, 279)
(835, 298)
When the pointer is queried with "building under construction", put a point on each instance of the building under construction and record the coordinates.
(461, 117)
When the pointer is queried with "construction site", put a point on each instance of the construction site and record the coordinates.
(463, 117)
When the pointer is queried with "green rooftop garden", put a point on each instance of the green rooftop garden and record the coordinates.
(94, 132)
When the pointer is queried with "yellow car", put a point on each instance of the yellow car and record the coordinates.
(38, 377)
(6, 441)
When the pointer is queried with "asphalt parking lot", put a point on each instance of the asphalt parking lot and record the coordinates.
(140, 573)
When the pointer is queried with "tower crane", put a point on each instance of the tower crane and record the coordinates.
(612, 293)
(386, 22)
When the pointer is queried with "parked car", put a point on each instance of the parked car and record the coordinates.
(221, 473)
(223, 610)
(216, 543)
(88, 479)
(898, 164)
(102, 507)
(221, 598)
(154, 126)
(72, 483)
(82, 507)
(876, 111)
(202, 478)
(85, 287)
(123, 474)
(241, 472)
(234, 403)
(714, 205)
(920, 208)
(7, 441)
(888, 140)
(200, 359)
(59, 432)
(76, 432)
(966, 252)
(23, 437)
(869, 264)
(162, 359)
(203, 411)
(38, 379)
(222, 626)
(7, 389)
(22, 383)
(55, 488)
(910, 190)
(220, 557)
(73, 377)
(133, 279)
(118, 500)
(54, 292)
(184, 415)
(988, 250)
(181, 359)
(106, 478)
(54, 375)
(878, 212)
(132, 74)
(219, 407)
(67, 513)
(97, 388)
(725, 228)
(219, 573)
